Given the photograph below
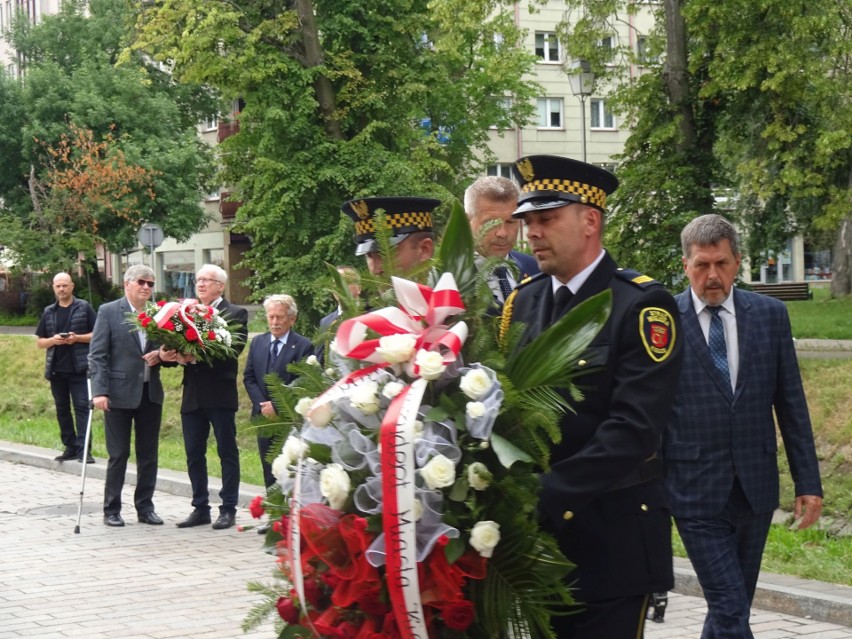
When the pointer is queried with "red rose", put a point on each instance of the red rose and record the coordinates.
(191, 334)
(145, 320)
(161, 303)
(458, 615)
(169, 325)
(288, 610)
(256, 507)
(282, 525)
(313, 593)
(211, 335)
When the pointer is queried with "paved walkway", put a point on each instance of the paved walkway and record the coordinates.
(160, 582)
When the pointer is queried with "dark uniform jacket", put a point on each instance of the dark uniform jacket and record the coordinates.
(603, 501)
(214, 385)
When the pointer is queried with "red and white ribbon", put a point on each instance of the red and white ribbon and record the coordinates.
(398, 510)
(423, 313)
(169, 308)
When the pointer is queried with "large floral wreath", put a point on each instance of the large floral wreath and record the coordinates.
(406, 496)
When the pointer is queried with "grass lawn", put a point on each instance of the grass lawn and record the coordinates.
(821, 317)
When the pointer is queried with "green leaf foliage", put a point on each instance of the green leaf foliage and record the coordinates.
(72, 79)
(347, 99)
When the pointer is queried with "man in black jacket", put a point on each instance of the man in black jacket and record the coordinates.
(65, 330)
(603, 497)
(210, 399)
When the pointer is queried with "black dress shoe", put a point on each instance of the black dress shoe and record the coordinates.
(224, 520)
(113, 520)
(196, 518)
(151, 518)
(66, 455)
(89, 459)
(262, 530)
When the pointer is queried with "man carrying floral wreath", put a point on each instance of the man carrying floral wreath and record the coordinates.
(603, 498)
(210, 399)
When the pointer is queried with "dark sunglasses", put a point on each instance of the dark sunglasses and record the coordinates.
(148, 283)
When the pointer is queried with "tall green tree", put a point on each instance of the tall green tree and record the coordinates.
(343, 99)
(140, 122)
(744, 112)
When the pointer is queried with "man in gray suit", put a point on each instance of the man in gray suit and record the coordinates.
(720, 449)
(125, 374)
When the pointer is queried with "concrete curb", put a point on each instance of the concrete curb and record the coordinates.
(810, 599)
(168, 481)
(831, 603)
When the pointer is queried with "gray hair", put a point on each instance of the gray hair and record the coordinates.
(138, 271)
(493, 187)
(284, 300)
(708, 230)
(221, 275)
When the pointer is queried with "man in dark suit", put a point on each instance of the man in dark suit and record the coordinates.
(123, 365)
(603, 497)
(270, 353)
(489, 203)
(210, 399)
(720, 450)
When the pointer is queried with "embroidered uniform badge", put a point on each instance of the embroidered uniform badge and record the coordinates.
(657, 329)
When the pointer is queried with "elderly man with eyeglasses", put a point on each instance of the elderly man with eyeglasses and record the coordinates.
(210, 399)
(125, 372)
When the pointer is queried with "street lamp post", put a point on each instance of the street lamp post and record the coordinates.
(582, 82)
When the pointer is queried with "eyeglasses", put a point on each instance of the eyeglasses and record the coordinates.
(148, 283)
(206, 280)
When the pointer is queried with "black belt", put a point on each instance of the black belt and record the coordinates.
(651, 468)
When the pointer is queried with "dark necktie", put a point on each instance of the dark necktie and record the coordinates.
(560, 302)
(716, 343)
(273, 354)
(502, 274)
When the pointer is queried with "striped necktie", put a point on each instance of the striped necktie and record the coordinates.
(716, 343)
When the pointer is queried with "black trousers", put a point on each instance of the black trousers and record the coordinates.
(119, 425)
(196, 430)
(71, 389)
(620, 618)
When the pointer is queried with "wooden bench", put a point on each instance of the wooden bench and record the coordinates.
(786, 291)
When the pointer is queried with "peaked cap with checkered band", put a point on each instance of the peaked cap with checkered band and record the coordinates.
(551, 181)
(404, 215)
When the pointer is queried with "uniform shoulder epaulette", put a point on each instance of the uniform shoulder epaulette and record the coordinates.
(635, 277)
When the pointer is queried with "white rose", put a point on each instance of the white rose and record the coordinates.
(430, 363)
(364, 397)
(418, 509)
(396, 349)
(312, 361)
(440, 472)
(475, 410)
(294, 448)
(335, 485)
(484, 537)
(478, 476)
(476, 383)
(281, 467)
(330, 372)
(418, 428)
(392, 389)
(332, 346)
(321, 415)
(303, 406)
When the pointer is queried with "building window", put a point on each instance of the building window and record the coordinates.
(602, 117)
(607, 166)
(500, 170)
(505, 105)
(547, 48)
(178, 274)
(550, 113)
(210, 124)
(643, 51)
(215, 256)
